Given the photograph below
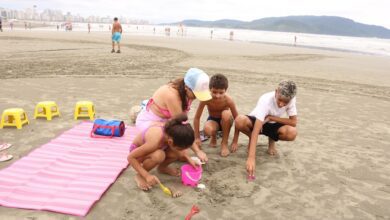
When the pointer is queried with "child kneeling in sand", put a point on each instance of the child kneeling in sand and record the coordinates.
(267, 119)
(160, 145)
(222, 112)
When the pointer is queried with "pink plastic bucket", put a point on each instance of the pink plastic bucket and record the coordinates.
(190, 176)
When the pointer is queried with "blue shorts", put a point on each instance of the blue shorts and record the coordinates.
(116, 37)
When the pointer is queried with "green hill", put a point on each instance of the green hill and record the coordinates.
(329, 25)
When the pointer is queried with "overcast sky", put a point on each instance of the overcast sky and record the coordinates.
(156, 11)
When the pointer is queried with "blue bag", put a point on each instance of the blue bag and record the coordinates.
(107, 129)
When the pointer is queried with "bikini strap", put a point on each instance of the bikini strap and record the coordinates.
(162, 110)
(150, 102)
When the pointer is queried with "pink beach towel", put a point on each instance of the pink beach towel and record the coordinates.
(68, 174)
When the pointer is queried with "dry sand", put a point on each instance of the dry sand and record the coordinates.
(338, 167)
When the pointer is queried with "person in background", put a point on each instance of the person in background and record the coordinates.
(116, 35)
(231, 35)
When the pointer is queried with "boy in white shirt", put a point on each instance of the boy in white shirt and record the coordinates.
(267, 119)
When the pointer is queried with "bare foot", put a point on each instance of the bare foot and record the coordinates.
(272, 151)
(170, 171)
(141, 183)
(176, 194)
(234, 147)
(224, 150)
(213, 141)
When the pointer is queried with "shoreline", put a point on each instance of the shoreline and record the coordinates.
(130, 30)
(323, 48)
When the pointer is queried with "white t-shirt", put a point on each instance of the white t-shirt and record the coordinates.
(267, 106)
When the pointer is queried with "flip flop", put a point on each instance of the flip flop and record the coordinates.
(5, 157)
(203, 137)
(4, 146)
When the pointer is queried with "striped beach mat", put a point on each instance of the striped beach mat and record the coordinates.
(68, 174)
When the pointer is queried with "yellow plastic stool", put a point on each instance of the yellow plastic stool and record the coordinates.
(47, 109)
(14, 117)
(84, 109)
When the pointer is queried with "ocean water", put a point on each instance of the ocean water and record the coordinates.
(374, 46)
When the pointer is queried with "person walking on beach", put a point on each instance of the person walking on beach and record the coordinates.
(267, 119)
(167, 31)
(211, 34)
(116, 35)
(89, 27)
(231, 35)
(295, 40)
(182, 29)
(1, 24)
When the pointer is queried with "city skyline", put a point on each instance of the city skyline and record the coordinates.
(372, 12)
(54, 15)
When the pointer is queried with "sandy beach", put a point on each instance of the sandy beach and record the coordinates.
(337, 168)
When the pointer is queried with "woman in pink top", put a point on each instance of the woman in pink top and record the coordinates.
(173, 99)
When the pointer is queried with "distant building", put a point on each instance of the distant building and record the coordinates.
(57, 15)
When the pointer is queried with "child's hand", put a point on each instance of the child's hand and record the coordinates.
(196, 160)
(250, 166)
(202, 156)
(152, 180)
(193, 163)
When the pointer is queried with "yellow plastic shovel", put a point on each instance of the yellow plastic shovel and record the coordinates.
(166, 190)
